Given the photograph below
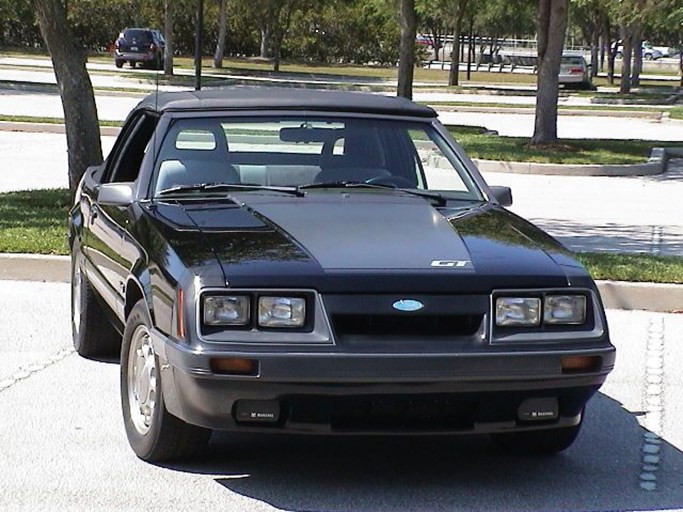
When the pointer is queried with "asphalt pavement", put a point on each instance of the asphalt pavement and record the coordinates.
(64, 447)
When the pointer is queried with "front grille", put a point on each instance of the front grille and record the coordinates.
(405, 326)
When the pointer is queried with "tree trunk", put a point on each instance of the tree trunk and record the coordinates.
(637, 56)
(265, 42)
(222, 30)
(552, 27)
(454, 73)
(595, 49)
(75, 89)
(406, 54)
(611, 53)
(626, 58)
(168, 36)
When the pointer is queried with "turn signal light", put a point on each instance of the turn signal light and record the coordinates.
(581, 364)
(234, 366)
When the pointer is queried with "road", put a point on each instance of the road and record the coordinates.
(115, 106)
(64, 447)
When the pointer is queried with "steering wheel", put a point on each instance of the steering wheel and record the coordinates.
(390, 181)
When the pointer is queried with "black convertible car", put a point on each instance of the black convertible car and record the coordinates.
(276, 260)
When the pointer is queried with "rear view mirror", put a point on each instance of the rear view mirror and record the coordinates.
(307, 135)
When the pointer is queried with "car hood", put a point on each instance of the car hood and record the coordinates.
(365, 242)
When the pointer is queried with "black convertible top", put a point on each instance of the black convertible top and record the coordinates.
(279, 98)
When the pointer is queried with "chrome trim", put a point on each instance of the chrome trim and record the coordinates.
(320, 335)
(547, 337)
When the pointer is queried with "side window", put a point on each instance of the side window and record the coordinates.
(439, 170)
(128, 155)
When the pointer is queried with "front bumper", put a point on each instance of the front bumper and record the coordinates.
(345, 393)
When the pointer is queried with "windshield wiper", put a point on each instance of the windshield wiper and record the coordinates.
(227, 187)
(440, 199)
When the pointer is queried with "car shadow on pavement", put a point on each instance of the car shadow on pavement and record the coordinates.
(615, 238)
(601, 471)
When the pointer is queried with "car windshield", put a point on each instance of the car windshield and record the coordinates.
(572, 61)
(309, 152)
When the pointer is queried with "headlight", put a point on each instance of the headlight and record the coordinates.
(281, 312)
(518, 311)
(564, 309)
(226, 310)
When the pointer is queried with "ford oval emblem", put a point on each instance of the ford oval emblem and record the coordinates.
(408, 305)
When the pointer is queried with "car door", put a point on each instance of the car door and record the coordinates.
(107, 240)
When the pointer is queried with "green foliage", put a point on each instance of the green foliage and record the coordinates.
(633, 267)
(34, 221)
(566, 151)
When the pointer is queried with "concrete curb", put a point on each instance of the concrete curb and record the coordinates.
(11, 126)
(561, 112)
(655, 165)
(654, 297)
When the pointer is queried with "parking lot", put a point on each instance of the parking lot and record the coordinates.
(64, 446)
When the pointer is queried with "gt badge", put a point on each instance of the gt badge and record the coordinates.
(450, 263)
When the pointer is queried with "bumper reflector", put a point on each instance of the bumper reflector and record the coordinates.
(234, 366)
(266, 411)
(581, 364)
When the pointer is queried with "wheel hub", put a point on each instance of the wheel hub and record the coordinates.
(142, 380)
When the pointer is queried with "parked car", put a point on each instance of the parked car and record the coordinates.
(649, 53)
(142, 46)
(283, 260)
(575, 71)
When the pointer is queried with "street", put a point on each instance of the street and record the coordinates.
(64, 446)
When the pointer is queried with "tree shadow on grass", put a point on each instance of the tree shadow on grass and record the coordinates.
(599, 472)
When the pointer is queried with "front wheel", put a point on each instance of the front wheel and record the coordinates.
(154, 434)
(539, 442)
(92, 332)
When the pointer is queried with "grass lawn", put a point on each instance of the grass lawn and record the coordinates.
(34, 221)
(633, 267)
(676, 113)
(478, 144)
(47, 120)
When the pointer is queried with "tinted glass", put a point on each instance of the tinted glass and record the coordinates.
(295, 151)
(139, 36)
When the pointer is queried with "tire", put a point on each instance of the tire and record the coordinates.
(154, 434)
(539, 442)
(132, 64)
(93, 334)
(118, 63)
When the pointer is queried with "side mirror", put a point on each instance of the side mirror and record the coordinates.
(503, 195)
(116, 194)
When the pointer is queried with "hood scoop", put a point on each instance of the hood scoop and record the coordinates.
(212, 216)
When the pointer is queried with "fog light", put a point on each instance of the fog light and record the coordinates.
(234, 366)
(580, 364)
